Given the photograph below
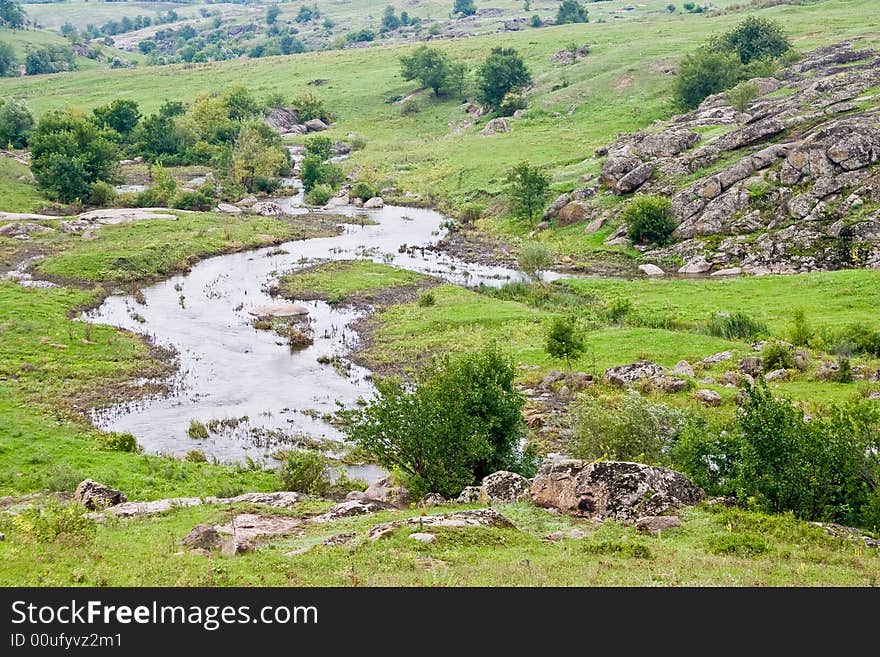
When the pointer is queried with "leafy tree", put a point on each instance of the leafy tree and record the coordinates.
(390, 21)
(240, 103)
(534, 258)
(458, 77)
(320, 146)
(431, 67)
(649, 219)
(503, 71)
(307, 14)
(310, 107)
(253, 157)
(49, 59)
(16, 123)
(571, 11)
(704, 73)
(464, 8)
(527, 187)
(147, 46)
(536, 21)
(461, 421)
(290, 45)
(7, 58)
(11, 14)
(564, 340)
(272, 14)
(754, 38)
(70, 153)
(741, 96)
(120, 115)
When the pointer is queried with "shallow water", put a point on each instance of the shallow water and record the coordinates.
(230, 370)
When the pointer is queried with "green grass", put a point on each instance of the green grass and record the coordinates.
(341, 280)
(708, 549)
(16, 196)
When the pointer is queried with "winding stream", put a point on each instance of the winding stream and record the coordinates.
(230, 370)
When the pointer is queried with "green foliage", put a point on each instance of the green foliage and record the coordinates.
(272, 13)
(119, 115)
(464, 7)
(631, 428)
(704, 73)
(305, 472)
(503, 71)
(191, 200)
(777, 356)
(534, 257)
(461, 421)
(536, 21)
(736, 326)
(7, 58)
(362, 190)
(70, 154)
(319, 146)
(741, 96)
(197, 456)
(527, 189)
(752, 39)
(101, 194)
(54, 521)
(409, 107)
(739, 544)
(472, 213)
(571, 11)
(649, 220)
(197, 430)
(309, 106)
(256, 155)
(564, 339)
(430, 66)
(119, 442)
(427, 300)
(511, 102)
(49, 59)
(16, 123)
(319, 194)
(801, 332)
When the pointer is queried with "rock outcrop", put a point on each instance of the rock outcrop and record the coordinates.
(96, 496)
(463, 519)
(611, 489)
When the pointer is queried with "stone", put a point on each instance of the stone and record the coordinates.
(374, 203)
(559, 202)
(717, 358)
(657, 524)
(540, 227)
(683, 368)
(228, 208)
(776, 375)
(578, 381)
(339, 148)
(626, 374)
(670, 384)
(337, 202)
(611, 489)
(279, 310)
(351, 508)
(432, 499)
(2, 536)
(205, 537)
(750, 365)
(470, 495)
(501, 124)
(247, 202)
(730, 271)
(859, 148)
(651, 270)
(595, 225)
(707, 397)
(315, 125)
(20, 230)
(244, 530)
(504, 486)
(634, 179)
(278, 500)
(572, 213)
(458, 519)
(698, 265)
(384, 490)
(423, 537)
(96, 496)
(282, 120)
(267, 209)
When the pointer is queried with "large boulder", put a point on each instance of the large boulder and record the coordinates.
(572, 213)
(384, 490)
(96, 496)
(204, 537)
(315, 125)
(504, 486)
(375, 203)
(282, 120)
(611, 489)
(494, 126)
(458, 519)
(267, 209)
(651, 270)
(626, 374)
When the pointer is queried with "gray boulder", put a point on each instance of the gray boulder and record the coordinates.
(315, 125)
(626, 374)
(504, 486)
(384, 490)
(204, 537)
(611, 489)
(657, 524)
(95, 496)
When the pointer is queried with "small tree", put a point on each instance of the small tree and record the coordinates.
(120, 115)
(431, 67)
(464, 8)
(649, 219)
(564, 340)
(742, 95)
(670, 8)
(390, 21)
(16, 123)
(754, 38)
(272, 14)
(571, 11)
(7, 58)
(534, 258)
(704, 73)
(320, 146)
(527, 188)
(503, 71)
(458, 77)
(253, 157)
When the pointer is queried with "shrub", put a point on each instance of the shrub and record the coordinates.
(266, 184)
(741, 96)
(844, 371)
(430, 66)
(511, 102)
(319, 146)
(16, 123)
(304, 472)
(777, 356)
(196, 456)
(460, 421)
(527, 188)
(119, 442)
(571, 11)
(357, 142)
(503, 71)
(536, 21)
(309, 107)
(534, 258)
(101, 194)
(739, 544)
(410, 107)
(185, 200)
(54, 521)
(563, 339)
(736, 326)
(427, 300)
(801, 333)
(704, 73)
(464, 7)
(319, 195)
(472, 213)
(753, 39)
(197, 430)
(649, 219)
(629, 429)
(362, 190)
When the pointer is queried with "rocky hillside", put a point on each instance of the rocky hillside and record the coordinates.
(792, 184)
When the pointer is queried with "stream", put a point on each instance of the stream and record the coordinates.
(228, 370)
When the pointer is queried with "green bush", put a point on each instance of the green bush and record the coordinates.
(101, 194)
(410, 107)
(196, 456)
(185, 200)
(305, 472)
(753, 39)
(649, 219)
(534, 258)
(472, 213)
(738, 544)
(564, 339)
(460, 421)
(736, 326)
(119, 442)
(427, 300)
(363, 190)
(197, 430)
(632, 428)
(311, 107)
(777, 356)
(319, 195)
(703, 73)
(54, 521)
(801, 333)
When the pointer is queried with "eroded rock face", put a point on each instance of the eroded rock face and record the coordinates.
(611, 489)
(96, 496)
(626, 374)
(351, 508)
(495, 126)
(384, 490)
(462, 519)
(205, 537)
(504, 486)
